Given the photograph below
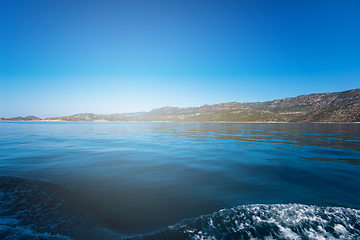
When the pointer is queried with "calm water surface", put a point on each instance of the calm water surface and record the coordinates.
(143, 177)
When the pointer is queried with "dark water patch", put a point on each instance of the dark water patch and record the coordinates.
(33, 209)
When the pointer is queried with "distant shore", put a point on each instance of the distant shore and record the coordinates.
(97, 121)
(335, 107)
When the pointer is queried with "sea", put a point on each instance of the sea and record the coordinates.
(165, 180)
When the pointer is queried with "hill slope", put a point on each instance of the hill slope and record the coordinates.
(296, 107)
(232, 111)
(343, 113)
(329, 107)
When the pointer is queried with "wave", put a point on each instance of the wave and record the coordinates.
(273, 221)
(16, 232)
(32, 209)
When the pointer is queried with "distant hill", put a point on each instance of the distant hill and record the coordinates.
(343, 113)
(78, 117)
(28, 118)
(165, 111)
(81, 117)
(135, 114)
(318, 107)
(232, 111)
(97, 117)
(293, 109)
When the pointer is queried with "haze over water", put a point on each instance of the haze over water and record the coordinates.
(142, 177)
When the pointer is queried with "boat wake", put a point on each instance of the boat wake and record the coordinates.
(274, 221)
(32, 209)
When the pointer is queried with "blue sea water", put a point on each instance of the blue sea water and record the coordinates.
(102, 180)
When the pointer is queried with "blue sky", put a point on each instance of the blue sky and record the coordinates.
(63, 57)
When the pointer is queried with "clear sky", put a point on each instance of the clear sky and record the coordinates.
(62, 57)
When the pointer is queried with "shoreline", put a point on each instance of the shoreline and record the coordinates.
(102, 121)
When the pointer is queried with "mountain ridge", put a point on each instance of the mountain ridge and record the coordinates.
(317, 107)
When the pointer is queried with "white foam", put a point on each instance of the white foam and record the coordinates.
(340, 229)
(277, 221)
(286, 233)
